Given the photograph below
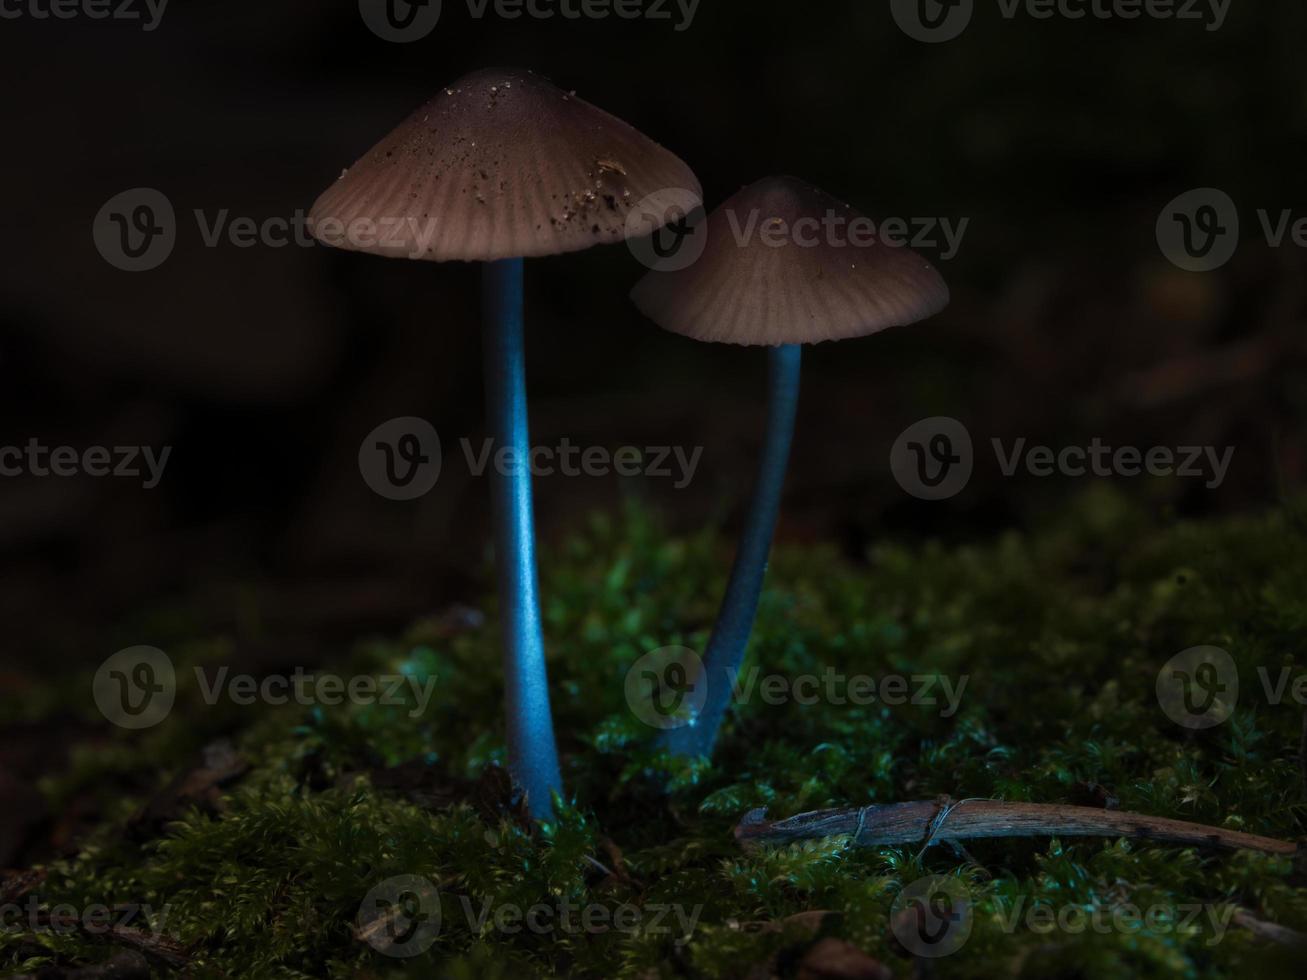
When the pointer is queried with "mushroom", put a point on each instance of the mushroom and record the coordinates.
(783, 264)
(499, 166)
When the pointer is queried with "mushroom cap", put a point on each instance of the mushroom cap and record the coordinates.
(501, 164)
(763, 280)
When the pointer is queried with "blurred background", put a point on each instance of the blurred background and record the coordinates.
(1058, 141)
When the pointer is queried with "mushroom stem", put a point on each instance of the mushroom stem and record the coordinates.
(532, 755)
(730, 635)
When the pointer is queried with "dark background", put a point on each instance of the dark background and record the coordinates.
(264, 368)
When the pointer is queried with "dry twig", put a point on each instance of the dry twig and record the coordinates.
(942, 820)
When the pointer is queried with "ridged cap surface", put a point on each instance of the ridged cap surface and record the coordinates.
(815, 285)
(501, 164)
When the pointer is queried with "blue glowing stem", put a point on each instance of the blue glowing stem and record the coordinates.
(532, 754)
(730, 635)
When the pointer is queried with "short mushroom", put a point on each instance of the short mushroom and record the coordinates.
(499, 166)
(784, 264)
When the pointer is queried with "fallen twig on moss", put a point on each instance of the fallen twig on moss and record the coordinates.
(1270, 930)
(125, 965)
(15, 884)
(155, 944)
(200, 786)
(937, 821)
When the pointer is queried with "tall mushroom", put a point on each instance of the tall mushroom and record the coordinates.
(499, 166)
(784, 264)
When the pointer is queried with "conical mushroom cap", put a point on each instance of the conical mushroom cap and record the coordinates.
(766, 279)
(501, 164)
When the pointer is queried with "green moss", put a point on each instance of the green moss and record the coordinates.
(1060, 635)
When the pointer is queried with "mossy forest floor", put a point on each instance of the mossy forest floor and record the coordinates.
(257, 865)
